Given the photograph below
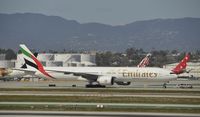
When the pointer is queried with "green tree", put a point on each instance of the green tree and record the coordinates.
(104, 59)
(10, 54)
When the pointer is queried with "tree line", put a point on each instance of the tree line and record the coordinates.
(131, 57)
(9, 54)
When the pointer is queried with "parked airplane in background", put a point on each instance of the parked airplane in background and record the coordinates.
(145, 61)
(181, 67)
(96, 76)
(6, 73)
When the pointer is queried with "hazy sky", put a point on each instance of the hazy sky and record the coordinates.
(114, 12)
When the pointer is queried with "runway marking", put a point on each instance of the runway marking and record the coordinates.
(99, 114)
(94, 95)
(105, 104)
(89, 113)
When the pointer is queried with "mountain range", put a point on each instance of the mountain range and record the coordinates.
(44, 32)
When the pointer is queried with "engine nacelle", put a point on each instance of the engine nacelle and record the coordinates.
(122, 83)
(105, 80)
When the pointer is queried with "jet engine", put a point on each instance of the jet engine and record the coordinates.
(122, 83)
(105, 80)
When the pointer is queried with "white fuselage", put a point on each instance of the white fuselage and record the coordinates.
(124, 74)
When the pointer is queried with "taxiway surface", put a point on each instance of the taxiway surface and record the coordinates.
(88, 114)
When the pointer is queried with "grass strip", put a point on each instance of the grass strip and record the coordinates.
(105, 90)
(94, 108)
(98, 99)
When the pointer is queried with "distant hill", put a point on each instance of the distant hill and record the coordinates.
(56, 33)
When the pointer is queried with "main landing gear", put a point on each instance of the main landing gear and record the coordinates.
(95, 86)
(165, 85)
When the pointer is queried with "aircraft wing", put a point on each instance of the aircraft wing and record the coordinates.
(28, 71)
(91, 76)
(88, 76)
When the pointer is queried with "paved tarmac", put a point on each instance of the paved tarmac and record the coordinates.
(88, 114)
(34, 83)
(105, 104)
(57, 93)
(80, 85)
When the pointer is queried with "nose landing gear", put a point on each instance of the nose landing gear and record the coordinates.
(165, 85)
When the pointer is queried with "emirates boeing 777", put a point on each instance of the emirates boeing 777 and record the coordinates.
(96, 76)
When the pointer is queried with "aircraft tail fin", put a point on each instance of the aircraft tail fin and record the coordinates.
(181, 67)
(145, 61)
(24, 66)
(32, 61)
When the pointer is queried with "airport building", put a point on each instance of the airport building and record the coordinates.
(53, 60)
(2, 56)
(62, 60)
(6, 63)
(193, 68)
